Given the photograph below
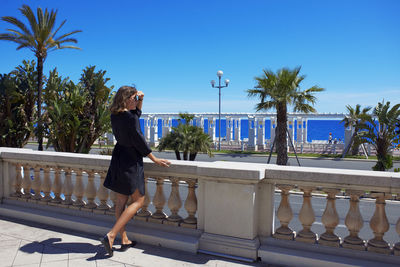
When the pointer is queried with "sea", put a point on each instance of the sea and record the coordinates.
(316, 130)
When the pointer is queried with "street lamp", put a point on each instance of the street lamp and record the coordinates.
(219, 74)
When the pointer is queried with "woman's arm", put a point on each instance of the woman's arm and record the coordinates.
(141, 97)
(160, 162)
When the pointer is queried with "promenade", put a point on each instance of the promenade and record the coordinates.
(222, 208)
(31, 244)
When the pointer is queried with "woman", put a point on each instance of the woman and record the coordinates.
(125, 175)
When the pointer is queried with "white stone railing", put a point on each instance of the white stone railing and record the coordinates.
(354, 184)
(74, 181)
(230, 205)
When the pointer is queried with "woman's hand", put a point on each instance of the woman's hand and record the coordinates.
(140, 94)
(160, 162)
(163, 162)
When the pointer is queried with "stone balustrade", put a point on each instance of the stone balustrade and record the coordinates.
(76, 186)
(353, 185)
(227, 208)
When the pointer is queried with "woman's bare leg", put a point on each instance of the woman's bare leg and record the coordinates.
(119, 209)
(126, 215)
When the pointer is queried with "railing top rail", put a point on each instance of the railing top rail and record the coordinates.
(337, 178)
(236, 172)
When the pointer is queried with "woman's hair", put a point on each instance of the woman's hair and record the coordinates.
(119, 102)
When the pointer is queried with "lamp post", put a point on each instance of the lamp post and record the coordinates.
(219, 74)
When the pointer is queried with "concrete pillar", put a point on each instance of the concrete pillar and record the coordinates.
(166, 127)
(273, 127)
(229, 129)
(146, 129)
(252, 134)
(261, 134)
(300, 130)
(200, 122)
(154, 131)
(305, 131)
(224, 229)
(291, 131)
(211, 128)
(238, 128)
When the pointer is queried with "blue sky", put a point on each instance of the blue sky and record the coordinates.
(172, 49)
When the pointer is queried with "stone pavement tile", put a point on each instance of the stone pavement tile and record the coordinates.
(55, 264)
(81, 263)
(28, 265)
(52, 254)
(29, 253)
(4, 237)
(106, 263)
(10, 243)
(8, 252)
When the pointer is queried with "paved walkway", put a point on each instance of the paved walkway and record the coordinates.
(27, 244)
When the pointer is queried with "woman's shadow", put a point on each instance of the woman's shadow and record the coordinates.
(55, 246)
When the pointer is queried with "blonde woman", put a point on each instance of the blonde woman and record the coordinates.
(126, 175)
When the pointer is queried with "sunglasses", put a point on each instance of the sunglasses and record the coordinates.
(136, 98)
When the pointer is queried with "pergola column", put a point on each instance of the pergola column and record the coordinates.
(229, 129)
(238, 128)
(153, 131)
(211, 128)
(252, 134)
(261, 133)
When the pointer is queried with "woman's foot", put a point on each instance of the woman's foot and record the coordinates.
(107, 245)
(125, 247)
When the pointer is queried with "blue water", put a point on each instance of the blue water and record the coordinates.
(317, 129)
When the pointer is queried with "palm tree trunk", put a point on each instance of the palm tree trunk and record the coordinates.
(177, 155)
(281, 128)
(185, 155)
(192, 156)
(39, 102)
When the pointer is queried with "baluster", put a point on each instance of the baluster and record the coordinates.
(158, 202)
(36, 183)
(396, 247)
(379, 225)
(307, 218)
(46, 186)
(56, 188)
(174, 203)
(354, 222)
(144, 213)
(284, 215)
(91, 191)
(79, 189)
(67, 187)
(27, 182)
(17, 181)
(102, 192)
(330, 219)
(191, 205)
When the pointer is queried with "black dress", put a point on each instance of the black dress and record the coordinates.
(126, 173)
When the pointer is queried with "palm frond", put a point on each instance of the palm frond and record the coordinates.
(27, 12)
(66, 35)
(18, 23)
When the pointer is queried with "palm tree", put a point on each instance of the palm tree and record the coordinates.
(355, 118)
(380, 131)
(186, 138)
(278, 91)
(40, 39)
